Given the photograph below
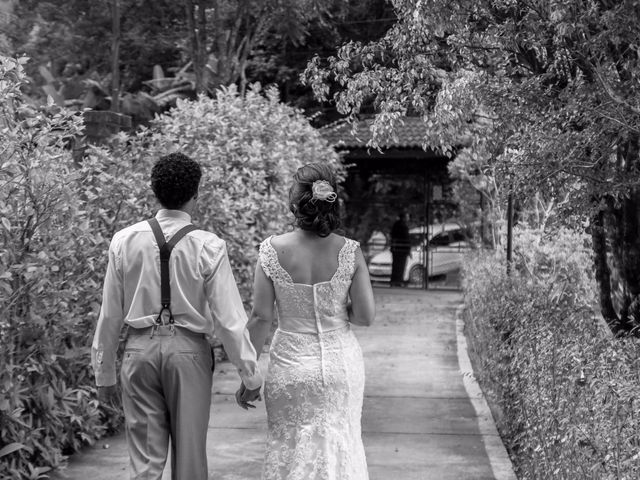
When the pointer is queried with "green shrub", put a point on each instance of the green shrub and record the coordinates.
(568, 390)
(57, 217)
(46, 398)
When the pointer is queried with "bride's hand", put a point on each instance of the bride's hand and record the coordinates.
(239, 394)
(244, 396)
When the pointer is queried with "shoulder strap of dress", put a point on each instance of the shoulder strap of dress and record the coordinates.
(266, 257)
(270, 264)
(347, 259)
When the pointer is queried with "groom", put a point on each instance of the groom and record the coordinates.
(166, 368)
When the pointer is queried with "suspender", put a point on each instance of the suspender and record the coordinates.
(165, 315)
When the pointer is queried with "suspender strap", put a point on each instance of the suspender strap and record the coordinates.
(165, 253)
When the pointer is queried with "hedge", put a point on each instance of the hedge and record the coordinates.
(568, 391)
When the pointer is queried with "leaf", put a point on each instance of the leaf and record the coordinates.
(12, 447)
(38, 471)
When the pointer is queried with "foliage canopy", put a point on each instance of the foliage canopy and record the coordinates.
(534, 98)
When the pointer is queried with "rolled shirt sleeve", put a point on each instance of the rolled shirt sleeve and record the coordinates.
(110, 321)
(229, 316)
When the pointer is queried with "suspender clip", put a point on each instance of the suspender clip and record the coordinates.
(165, 317)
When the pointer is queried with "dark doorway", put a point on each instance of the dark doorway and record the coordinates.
(378, 190)
(402, 177)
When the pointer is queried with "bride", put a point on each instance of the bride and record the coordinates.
(320, 285)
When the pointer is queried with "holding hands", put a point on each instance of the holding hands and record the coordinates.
(245, 395)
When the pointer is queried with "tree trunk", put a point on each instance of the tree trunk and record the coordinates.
(622, 232)
(629, 236)
(195, 45)
(509, 232)
(234, 38)
(602, 272)
(617, 228)
(202, 44)
(115, 55)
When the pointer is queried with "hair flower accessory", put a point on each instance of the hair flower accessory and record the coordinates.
(322, 190)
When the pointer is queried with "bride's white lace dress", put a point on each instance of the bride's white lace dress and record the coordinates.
(315, 384)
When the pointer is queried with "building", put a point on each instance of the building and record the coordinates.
(400, 175)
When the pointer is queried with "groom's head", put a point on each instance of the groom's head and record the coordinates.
(175, 179)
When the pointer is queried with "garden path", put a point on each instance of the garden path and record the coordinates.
(423, 418)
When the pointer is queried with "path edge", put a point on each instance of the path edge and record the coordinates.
(498, 458)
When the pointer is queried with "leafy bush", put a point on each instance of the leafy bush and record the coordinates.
(57, 218)
(58, 215)
(568, 390)
(46, 404)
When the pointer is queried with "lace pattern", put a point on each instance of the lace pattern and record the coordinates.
(315, 383)
(270, 264)
(314, 411)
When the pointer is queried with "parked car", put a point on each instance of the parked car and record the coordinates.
(447, 244)
(377, 243)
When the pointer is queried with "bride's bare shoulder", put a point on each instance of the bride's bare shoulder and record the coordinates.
(283, 240)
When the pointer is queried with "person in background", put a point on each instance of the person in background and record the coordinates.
(400, 248)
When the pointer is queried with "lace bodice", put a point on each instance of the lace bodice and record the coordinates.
(317, 308)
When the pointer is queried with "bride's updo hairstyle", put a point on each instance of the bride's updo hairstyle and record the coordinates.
(313, 199)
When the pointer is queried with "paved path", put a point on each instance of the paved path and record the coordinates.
(423, 419)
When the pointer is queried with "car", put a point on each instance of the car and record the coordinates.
(447, 244)
(377, 243)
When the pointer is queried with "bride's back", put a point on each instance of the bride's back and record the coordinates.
(308, 258)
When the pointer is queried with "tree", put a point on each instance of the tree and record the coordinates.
(224, 33)
(74, 35)
(279, 59)
(542, 97)
(200, 44)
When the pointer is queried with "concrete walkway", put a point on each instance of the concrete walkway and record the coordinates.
(423, 419)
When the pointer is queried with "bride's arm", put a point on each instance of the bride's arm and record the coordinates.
(263, 312)
(362, 310)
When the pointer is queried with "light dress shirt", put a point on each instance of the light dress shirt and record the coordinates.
(204, 294)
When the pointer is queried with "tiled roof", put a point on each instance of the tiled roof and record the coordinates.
(409, 133)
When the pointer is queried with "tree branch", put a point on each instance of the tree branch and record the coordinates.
(611, 94)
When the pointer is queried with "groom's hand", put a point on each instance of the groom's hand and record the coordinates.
(245, 395)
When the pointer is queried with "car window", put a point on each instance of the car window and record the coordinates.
(458, 236)
(440, 239)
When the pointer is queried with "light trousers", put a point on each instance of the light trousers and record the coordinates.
(166, 396)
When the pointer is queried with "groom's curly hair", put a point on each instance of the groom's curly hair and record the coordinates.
(175, 179)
